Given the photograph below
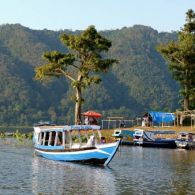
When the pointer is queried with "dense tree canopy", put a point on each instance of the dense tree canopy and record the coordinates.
(80, 65)
(140, 81)
(181, 57)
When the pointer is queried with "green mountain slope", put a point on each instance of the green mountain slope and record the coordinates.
(140, 82)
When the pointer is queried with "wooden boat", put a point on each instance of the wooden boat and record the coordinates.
(76, 143)
(185, 140)
(147, 139)
(125, 135)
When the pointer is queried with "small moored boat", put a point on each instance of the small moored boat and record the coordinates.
(185, 140)
(147, 139)
(76, 143)
(125, 135)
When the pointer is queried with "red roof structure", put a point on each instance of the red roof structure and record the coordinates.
(92, 114)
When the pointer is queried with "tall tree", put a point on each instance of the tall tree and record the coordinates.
(81, 65)
(181, 57)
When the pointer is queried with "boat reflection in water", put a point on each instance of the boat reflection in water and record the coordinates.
(69, 178)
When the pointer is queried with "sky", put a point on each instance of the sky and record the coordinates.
(161, 15)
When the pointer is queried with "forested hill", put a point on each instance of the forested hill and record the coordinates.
(140, 81)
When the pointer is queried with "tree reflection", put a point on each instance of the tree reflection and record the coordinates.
(184, 169)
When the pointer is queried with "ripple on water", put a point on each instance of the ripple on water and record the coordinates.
(134, 170)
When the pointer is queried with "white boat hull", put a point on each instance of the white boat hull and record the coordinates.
(185, 144)
(102, 154)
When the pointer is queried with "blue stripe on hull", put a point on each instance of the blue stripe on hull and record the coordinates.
(72, 157)
(100, 155)
(77, 156)
(112, 154)
(108, 149)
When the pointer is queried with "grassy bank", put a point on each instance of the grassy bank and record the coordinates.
(108, 133)
(177, 129)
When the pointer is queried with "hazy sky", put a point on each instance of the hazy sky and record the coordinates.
(162, 15)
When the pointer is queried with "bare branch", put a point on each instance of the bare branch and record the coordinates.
(66, 74)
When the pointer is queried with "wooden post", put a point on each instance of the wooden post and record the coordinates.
(50, 136)
(79, 136)
(191, 121)
(70, 137)
(56, 138)
(102, 124)
(40, 138)
(63, 138)
(44, 138)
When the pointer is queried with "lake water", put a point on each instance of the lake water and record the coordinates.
(134, 170)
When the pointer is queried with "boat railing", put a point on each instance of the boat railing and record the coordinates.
(75, 136)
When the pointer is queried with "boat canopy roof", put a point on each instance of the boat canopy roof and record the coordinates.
(163, 132)
(83, 127)
(66, 128)
(186, 133)
(156, 131)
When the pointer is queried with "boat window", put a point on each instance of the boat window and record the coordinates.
(46, 138)
(59, 141)
(137, 137)
(84, 138)
(67, 138)
(53, 135)
(57, 138)
(103, 140)
(41, 135)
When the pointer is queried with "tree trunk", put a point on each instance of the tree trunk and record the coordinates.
(186, 103)
(78, 106)
(186, 99)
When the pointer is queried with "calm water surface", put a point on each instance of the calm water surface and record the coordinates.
(134, 170)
